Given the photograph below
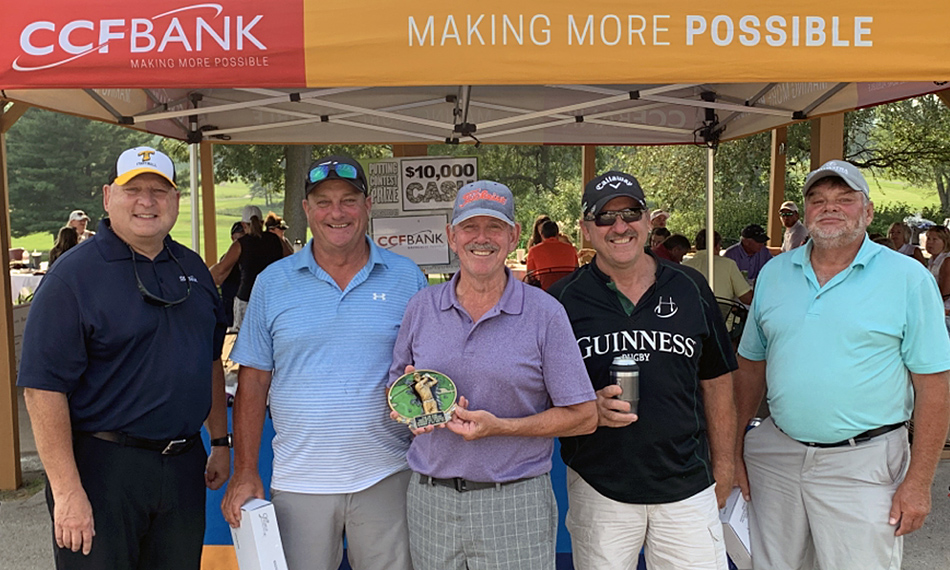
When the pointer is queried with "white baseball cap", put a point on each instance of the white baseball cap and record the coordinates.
(140, 160)
(251, 211)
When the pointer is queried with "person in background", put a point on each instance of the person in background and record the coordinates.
(938, 246)
(900, 236)
(78, 220)
(750, 254)
(658, 236)
(673, 248)
(550, 254)
(67, 238)
(795, 232)
(847, 340)
(251, 253)
(276, 225)
(120, 367)
(729, 282)
(658, 218)
(231, 283)
(536, 237)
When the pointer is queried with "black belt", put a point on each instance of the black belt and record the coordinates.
(860, 438)
(165, 446)
(463, 485)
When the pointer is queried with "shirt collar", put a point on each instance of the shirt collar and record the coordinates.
(112, 248)
(304, 259)
(802, 255)
(511, 302)
(660, 271)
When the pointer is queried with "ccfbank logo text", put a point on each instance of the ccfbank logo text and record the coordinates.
(194, 35)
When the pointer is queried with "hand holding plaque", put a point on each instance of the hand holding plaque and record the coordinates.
(422, 398)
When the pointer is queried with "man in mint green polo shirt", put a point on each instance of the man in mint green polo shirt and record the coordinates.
(848, 339)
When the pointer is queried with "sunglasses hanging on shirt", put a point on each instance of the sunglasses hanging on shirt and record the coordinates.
(150, 297)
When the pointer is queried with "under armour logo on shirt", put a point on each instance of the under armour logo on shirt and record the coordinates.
(379, 296)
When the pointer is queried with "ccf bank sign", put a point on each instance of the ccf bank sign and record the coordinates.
(420, 238)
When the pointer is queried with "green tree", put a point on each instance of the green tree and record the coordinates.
(906, 140)
(58, 163)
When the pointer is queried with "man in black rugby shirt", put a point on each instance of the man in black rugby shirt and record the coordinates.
(655, 478)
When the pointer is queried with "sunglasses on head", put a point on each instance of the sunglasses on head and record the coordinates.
(321, 172)
(608, 218)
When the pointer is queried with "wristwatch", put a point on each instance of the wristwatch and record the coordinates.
(222, 441)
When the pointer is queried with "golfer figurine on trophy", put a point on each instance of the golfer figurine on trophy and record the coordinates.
(422, 398)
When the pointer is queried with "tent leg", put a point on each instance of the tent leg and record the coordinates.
(710, 213)
(10, 474)
(195, 233)
(777, 183)
(208, 218)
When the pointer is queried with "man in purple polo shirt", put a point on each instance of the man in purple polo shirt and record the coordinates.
(481, 495)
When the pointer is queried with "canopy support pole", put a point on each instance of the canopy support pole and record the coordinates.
(827, 139)
(193, 175)
(777, 183)
(208, 217)
(588, 173)
(10, 473)
(710, 213)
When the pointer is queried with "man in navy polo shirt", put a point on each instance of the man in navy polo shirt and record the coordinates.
(121, 365)
(656, 476)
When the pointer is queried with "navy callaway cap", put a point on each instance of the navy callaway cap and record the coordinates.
(608, 186)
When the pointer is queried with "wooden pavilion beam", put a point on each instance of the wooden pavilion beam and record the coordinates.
(777, 185)
(10, 473)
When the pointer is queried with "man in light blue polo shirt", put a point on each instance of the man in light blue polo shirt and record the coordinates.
(317, 340)
(848, 338)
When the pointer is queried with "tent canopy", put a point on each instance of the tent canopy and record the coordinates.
(371, 71)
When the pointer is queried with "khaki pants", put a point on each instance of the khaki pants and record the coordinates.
(608, 535)
(824, 507)
(374, 522)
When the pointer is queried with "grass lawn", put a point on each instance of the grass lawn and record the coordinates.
(229, 200)
(892, 191)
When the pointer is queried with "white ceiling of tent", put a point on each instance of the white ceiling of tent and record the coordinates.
(548, 114)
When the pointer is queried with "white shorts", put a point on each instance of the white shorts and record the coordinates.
(608, 534)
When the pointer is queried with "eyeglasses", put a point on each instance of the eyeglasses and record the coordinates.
(609, 217)
(153, 299)
(787, 214)
(322, 172)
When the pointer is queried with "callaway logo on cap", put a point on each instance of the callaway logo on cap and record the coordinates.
(608, 186)
(140, 160)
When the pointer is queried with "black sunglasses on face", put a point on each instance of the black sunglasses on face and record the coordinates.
(786, 214)
(608, 218)
(153, 299)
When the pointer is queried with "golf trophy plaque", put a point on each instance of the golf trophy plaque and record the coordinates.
(423, 398)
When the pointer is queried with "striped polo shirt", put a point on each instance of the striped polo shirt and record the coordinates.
(329, 351)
